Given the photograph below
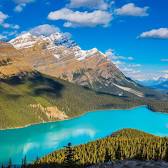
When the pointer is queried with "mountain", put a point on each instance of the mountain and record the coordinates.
(38, 86)
(160, 83)
(59, 56)
(28, 96)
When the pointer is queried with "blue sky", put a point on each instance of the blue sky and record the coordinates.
(133, 33)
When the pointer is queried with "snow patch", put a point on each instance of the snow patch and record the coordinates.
(135, 92)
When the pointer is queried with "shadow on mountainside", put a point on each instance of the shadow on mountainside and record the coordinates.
(37, 84)
(46, 86)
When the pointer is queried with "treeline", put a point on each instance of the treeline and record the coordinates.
(125, 144)
(161, 106)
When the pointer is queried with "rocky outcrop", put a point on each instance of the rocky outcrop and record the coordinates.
(133, 164)
(52, 112)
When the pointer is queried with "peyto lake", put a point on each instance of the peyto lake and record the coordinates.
(39, 140)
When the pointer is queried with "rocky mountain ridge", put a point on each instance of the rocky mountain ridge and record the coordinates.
(59, 56)
(161, 83)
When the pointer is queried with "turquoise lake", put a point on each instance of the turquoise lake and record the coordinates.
(39, 140)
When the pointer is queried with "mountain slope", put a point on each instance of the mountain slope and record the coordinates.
(59, 56)
(28, 96)
(38, 98)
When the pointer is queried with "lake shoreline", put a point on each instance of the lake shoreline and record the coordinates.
(46, 122)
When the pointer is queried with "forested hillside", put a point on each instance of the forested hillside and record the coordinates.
(35, 98)
(124, 144)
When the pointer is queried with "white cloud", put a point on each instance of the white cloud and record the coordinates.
(85, 19)
(161, 33)
(21, 4)
(19, 7)
(45, 30)
(130, 58)
(131, 70)
(165, 71)
(10, 33)
(134, 65)
(5, 25)
(131, 9)
(111, 54)
(10, 26)
(93, 4)
(164, 59)
(2, 37)
(23, 1)
(3, 17)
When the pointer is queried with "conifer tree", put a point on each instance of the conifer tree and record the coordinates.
(69, 161)
(9, 163)
(24, 162)
(107, 157)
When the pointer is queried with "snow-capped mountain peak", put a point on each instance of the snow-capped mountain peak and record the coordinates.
(25, 40)
(165, 76)
(54, 41)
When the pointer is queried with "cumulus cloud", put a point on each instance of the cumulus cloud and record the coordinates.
(85, 19)
(161, 33)
(3, 17)
(21, 4)
(165, 71)
(111, 54)
(164, 59)
(44, 29)
(93, 4)
(11, 26)
(19, 8)
(125, 64)
(131, 9)
(2, 37)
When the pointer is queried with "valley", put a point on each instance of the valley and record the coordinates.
(38, 87)
(93, 130)
(83, 84)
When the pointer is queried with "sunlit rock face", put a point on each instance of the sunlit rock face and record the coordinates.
(59, 56)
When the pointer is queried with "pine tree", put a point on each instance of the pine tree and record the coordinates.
(118, 153)
(69, 161)
(9, 164)
(107, 157)
(24, 162)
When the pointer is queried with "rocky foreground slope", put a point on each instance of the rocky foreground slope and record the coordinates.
(132, 164)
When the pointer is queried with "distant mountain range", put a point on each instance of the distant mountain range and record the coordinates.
(161, 83)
